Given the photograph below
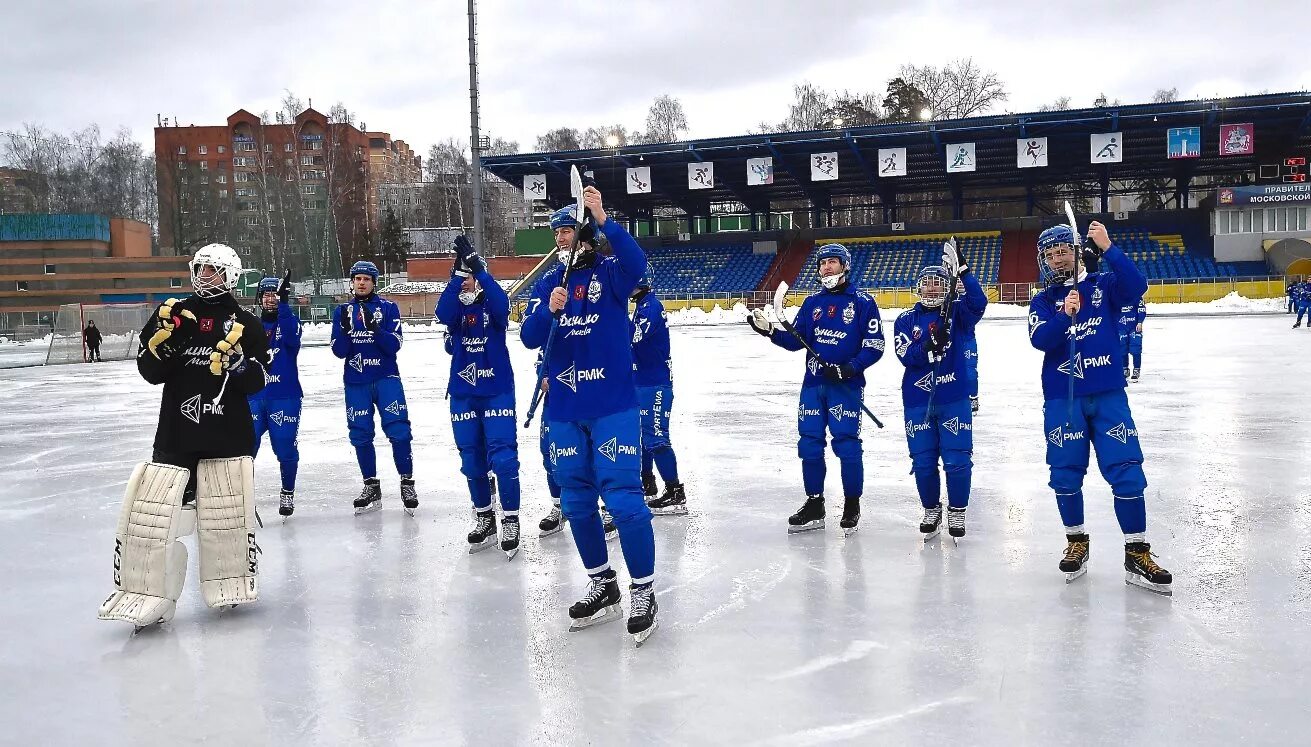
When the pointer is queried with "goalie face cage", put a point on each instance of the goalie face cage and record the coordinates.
(119, 324)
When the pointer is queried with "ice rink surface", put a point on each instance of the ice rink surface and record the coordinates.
(383, 630)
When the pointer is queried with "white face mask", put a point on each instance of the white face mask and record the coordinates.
(565, 256)
(832, 281)
(468, 297)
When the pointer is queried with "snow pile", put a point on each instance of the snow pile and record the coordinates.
(408, 288)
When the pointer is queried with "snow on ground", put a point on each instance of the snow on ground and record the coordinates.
(383, 629)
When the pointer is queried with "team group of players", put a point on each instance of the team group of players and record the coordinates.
(605, 378)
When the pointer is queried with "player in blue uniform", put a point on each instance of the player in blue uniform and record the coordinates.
(653, 370)
(595, 429)
(1100, 418)
(1301, 297)
(935, 389)
(276, 408)
(842, 325)
(1131, 338)
(476, 313)
(366, 333)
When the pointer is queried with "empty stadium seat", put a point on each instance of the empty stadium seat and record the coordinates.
(887, 262)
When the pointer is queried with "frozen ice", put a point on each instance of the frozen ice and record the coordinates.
(383, 629)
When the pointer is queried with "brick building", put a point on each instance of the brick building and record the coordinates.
(391, 164)
(49, 260)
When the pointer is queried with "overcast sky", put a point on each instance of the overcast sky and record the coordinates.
(403, 66)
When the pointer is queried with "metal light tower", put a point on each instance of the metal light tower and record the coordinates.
(475, 139)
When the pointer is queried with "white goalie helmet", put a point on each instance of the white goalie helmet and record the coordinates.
(222, 258)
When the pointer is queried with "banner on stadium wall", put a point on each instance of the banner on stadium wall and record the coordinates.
(823, 167)
(892, 161)
(960, 157)
(1237, 139)
(639, 180)
(1031, 153)
(534, 187)
(1183, 142)
(1106, 147)
(1266, 194)
(701, 175)
(760, 171)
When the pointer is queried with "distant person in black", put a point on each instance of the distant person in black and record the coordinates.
(209, 353)
(91, 339)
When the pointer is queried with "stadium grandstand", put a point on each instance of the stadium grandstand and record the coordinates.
(1224, 179)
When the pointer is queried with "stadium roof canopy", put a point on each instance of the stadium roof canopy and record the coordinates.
(1281, 124)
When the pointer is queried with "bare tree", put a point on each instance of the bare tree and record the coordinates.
(1165, 95)
(1061, 104)
(561, 138)
(958, 89)
(665, 120)
(599, 137)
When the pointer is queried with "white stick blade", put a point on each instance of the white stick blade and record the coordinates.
(779, 294)
(1074, 226)
(576, 191)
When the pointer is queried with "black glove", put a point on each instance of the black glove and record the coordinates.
(370, 317)
(344, 317)
(458, 272)
(284, 288)
(1092, 256)
(476, 264)
(837, 373)
(174, 328)
(468, 257)
(938, 342)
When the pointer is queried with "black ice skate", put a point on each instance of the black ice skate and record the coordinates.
(955, 523)
(974, 404)
(642, 616)
(1127, 372)
(599, 605)
(672, 503)
(552, 523)
(370, 498)
(483, 535)
(931, 524)
(649, 489)
(608, 523)
(286, 504)
(409, 497)
(1141, 570)
(1136, 373)
(850, 515)
(811, 515)
(1075, 562)
(510, 536)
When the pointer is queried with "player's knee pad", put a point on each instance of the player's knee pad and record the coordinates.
(955, 460)
(150, 565)
(924, 463)
(225, 517)
(397, 430)
(360, 431)
(285, 448)
(627, 508)
(1126, 478)
(576, 504)
(847, 447)
(1066, 480)
(810, 446)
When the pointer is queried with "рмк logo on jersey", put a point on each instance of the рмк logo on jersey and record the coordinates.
(1122, 433)
(395, 408)
(572, 378)
(191, 409)
(357, 362)
(470, 374)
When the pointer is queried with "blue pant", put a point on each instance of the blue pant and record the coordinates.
(1131, 349)
(948, 434)
(486, 437)
(544, 442)
(604, 456)
(1302, 308)
(972, 365)
(388, 396)
(1104, 422)
(837, 408)
(656, 404)
(280, 418)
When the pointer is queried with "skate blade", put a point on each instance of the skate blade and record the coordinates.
(1134, 579)
(670, 511)
(1069, 577)
(933, 535)
(848, 531)
(807, 527)
(411, 511)
(375, 506)
(612, 536)
(640, 638)
(482, 545)
(604, 615)
(509, 554)
(549, 532)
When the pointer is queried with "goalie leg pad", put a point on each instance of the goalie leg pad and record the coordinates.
(150, 565)
(225, 516)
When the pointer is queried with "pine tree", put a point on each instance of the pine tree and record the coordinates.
(394, 245)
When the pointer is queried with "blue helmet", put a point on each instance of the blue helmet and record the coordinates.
(834, 250)
(268, 285)
(1057, 235)
(648, 277)
(923, 283)
(565, 217)
(364, 268)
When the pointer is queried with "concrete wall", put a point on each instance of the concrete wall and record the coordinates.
(128, 238)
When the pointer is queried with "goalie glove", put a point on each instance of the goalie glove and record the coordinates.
(175, 329)
(227, 353)
(760, 323)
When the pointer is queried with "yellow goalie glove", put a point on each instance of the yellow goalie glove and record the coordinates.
(175, 329)
(227, 353)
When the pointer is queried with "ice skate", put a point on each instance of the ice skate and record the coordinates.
(810, 516)
(931, 524)
(974, 405)
(370, 498)
(850, 516)
(409, 498)
(1136, 373)
(551, 523)
(599, 605)
(286, 503)
(955, 523)
(510, 536)
(1141, 570)
(672, 503)
(642, 616)
(1077, 552)
(483, 535)
(649, 488)
(608, 523)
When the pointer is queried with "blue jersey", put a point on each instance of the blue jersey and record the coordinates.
(591, 362)
(480, 362)
(843, 326)
(370, 355)
(1131, 316)
(1097, 360)
(910, 335)
(284, 346)
(652, 365)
